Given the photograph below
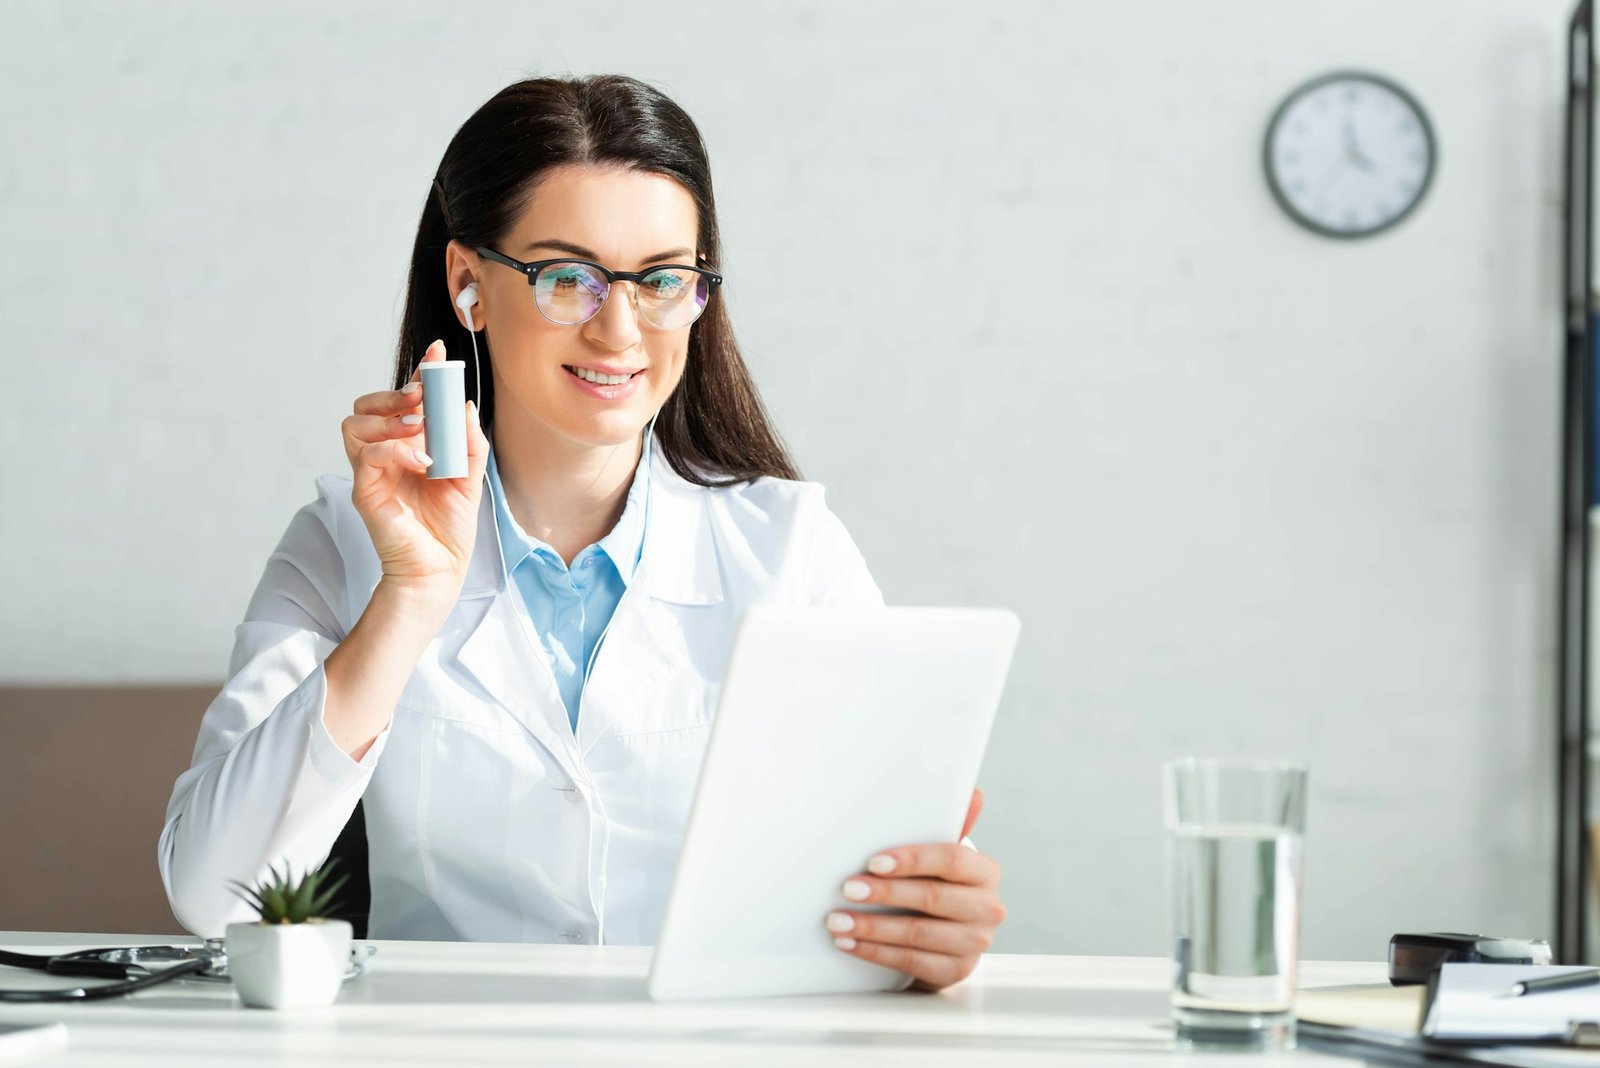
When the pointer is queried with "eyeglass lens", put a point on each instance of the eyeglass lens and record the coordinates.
(571, 293)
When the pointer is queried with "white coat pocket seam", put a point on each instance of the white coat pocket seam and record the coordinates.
(511, 726)
(648, 734)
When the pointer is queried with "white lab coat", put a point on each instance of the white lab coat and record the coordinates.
(487, 817)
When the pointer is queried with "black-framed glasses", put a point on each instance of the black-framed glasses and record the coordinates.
(571, 291)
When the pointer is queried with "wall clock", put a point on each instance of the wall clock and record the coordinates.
(1349, 154)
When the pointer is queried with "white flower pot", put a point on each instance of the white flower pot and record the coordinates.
(288, 965)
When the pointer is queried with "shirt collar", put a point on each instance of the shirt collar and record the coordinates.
(623, 545)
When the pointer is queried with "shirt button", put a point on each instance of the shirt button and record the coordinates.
(574, 936)
(588, 561)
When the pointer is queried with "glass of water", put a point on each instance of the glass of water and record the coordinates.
(1235, 834)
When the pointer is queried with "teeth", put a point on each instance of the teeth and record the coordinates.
(598, 378)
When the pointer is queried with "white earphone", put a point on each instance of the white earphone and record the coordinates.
(465, 300)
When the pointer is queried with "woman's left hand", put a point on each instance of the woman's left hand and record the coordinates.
(957, 890)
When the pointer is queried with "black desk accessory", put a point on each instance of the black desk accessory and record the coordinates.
(1414, 957)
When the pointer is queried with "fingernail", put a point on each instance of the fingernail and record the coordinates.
(841, 921)
(411, 420)
(423, 458)
(436, 341)
(856, 890)
(845, 943)
(882, 864)
(412, 387)
(472, 406)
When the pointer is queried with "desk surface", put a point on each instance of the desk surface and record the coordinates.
(497, 1003)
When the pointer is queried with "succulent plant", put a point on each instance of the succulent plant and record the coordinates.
(282, 899)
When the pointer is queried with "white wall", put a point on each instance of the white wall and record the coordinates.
(1250, 490)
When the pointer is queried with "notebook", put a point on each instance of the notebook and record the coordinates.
(1472, 1003)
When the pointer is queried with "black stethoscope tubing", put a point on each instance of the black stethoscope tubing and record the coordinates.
(88, 963)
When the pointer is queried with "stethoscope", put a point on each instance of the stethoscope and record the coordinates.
(137, 968)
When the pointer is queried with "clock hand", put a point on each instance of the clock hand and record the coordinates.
(1352, 148)
(1360, 158)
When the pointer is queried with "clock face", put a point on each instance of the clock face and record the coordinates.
(1349, 154)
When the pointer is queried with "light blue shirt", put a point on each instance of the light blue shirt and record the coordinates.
(570, 607)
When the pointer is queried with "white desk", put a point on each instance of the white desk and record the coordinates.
(497, 1003)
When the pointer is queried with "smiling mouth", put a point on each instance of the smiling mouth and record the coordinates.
(595, 378)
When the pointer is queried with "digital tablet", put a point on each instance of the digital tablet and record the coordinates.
(839, 732)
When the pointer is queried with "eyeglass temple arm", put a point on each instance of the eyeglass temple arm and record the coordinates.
(489, 253)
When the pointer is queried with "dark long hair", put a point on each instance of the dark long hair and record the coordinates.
(713, 429)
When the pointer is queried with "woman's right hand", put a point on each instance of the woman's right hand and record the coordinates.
(423, 529)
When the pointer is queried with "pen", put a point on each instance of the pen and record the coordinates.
(1555, 982)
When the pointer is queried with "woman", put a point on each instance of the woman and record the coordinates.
(520, 682)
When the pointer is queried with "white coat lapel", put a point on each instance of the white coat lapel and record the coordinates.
(646, 643)
(679, 563)
(496, 649)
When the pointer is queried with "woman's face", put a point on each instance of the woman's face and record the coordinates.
(625, 220)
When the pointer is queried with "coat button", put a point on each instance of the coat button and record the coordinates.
(574, 936)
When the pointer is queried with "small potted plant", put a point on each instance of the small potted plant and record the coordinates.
(294, 956)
